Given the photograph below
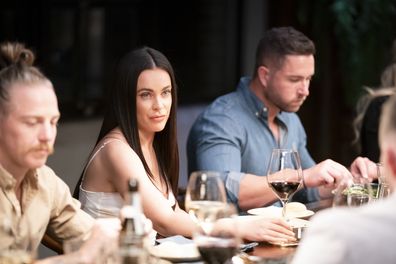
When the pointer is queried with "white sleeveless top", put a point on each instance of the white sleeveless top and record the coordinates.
(106, 204)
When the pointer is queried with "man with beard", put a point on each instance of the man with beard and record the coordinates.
(238, 131)
(33, 200)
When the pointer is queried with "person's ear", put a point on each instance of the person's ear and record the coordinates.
(263, 75)
(391, 161)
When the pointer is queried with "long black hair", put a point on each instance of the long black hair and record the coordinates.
(121, 112)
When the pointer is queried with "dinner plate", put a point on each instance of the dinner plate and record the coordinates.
(286, 244)
(274, 211)
(175, 252)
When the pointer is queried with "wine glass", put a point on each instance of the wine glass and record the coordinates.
(353, 192)
(205, 196)
(220, 243)
(206, 203)
(284, 174)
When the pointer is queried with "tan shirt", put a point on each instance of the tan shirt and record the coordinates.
(47, 207)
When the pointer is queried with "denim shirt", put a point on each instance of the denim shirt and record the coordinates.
(232, 135)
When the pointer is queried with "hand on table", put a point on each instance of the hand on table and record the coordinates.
(256, 228)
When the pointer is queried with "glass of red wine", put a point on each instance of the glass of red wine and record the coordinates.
(284, 174)
(206, 203)
(221, 243)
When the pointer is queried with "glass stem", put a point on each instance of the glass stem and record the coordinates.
(284, 209)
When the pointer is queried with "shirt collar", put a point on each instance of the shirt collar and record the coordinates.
(7, 181)
(255, 105)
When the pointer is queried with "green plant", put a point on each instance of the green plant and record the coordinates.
(362, 33)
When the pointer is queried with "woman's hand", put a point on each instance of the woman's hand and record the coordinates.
(364, 168)
(256, 228)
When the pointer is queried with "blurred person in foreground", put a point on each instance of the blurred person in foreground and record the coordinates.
(362, 234)
(33, 200)
(238, 131)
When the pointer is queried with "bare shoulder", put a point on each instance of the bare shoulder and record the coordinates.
(114, 163)
(118, 153)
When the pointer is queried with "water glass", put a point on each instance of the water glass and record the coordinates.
(353, 192)
(384, 187)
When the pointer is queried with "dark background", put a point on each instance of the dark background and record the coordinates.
(210, 43)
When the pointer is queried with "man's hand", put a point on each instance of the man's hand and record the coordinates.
(328, 173)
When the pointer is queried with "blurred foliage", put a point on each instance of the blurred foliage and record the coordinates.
(359, 33)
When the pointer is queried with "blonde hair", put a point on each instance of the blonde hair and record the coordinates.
(388, 77)
(362, 105)
(388, 118)
(16, 66)
(388, 88)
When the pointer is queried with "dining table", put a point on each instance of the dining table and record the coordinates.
(274, 254)
(266, 253)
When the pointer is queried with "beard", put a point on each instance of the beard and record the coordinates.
(290, 106)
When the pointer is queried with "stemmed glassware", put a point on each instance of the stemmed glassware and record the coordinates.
(205, 195)
(206, 204)
(284, 174)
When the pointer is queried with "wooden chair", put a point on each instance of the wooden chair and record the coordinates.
(52, 244)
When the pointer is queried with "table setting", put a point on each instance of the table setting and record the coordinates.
(206, 203)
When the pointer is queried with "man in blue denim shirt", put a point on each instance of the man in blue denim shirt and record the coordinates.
(238, 131)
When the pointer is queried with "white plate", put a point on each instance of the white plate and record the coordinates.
(274, 211)
(175, 252)
(285, 244)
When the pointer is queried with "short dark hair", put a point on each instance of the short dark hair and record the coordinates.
(279, 42)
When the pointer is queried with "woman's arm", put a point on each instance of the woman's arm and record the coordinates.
(120, 163)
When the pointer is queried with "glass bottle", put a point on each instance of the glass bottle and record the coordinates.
(132, 234)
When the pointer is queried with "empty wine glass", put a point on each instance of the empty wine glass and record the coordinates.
(284, 174)
(205, 196)
(353, 192)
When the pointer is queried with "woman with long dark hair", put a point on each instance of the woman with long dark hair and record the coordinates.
(138, 139)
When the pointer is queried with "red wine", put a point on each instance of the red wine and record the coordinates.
(284, 188)
(216, 255)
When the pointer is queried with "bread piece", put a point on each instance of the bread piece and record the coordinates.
(295, 207)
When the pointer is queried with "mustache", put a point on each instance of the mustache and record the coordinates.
(44, 147)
